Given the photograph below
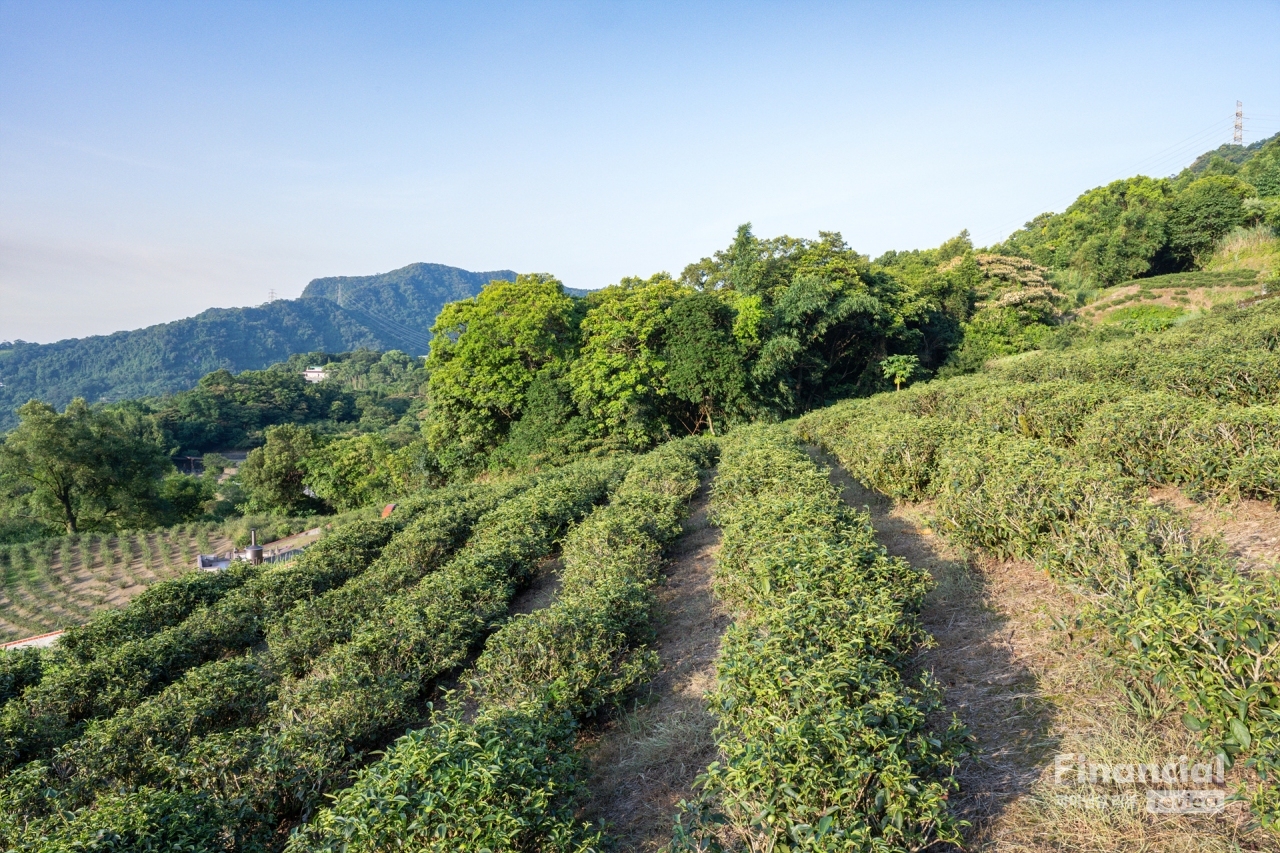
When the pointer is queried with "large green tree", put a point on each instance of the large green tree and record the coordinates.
(83, 468)
(274, 475)
(1203, 213)
(813, 318)
(1108, 235)
(704, 363)
(485, 353)
(1263, 169)
(619, 376)
(352, 472)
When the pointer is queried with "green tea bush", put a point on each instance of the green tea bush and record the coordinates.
(143, 821)
(1231, 355)
(51, 712)
(1230, 450)
(132, 747)
(224, 731)
(507, 779)
(825, 745)
(441, 525)
(503, 782)
(19, 669)
(159, 606)
(1183, 618)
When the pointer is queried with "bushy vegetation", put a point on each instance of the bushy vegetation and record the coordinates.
(505, 779)
(1146, 226)
(1048, 458)
(257, 739)
(824, 743)
(383, 312)
(265, 708)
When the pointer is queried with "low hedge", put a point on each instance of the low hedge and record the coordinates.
(507, 780)
(314, 729)
(53, 711)
(825, 744)
(159, 606)
(20, 669)
(1184, 618)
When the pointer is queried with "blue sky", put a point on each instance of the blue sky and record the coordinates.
(159, 159)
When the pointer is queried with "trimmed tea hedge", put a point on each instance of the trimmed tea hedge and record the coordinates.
(507, 779)
(1184, 619)
(51, 712)
(825, 745)
(253, 756)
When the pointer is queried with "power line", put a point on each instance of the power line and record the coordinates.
(406, 333)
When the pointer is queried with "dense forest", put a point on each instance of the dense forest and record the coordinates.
(382, 312)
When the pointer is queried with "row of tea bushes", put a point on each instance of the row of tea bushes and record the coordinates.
(1183, 618)
(133, 746)
(1231, 355)
(825, 744)
(53, 711)
(158, 607)
(507, 779)
(267, 757)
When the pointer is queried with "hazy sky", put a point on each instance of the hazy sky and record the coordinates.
(159, 159)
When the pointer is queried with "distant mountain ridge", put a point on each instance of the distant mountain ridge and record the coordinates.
(393, 310)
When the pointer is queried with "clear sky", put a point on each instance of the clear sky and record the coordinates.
(159, 159)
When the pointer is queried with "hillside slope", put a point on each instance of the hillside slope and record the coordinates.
(393, 310)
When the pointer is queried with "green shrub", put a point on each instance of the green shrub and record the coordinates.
(507, 780)
(825, 745)
(1183, 618)
(19, 669)
(159, 606)
(49, 714)
(1145, 318)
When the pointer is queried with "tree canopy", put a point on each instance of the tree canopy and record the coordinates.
(83, 468)
(485, 353)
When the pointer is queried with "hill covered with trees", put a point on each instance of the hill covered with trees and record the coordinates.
(382, 312)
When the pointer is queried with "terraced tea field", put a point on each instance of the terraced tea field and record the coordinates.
(61, 582)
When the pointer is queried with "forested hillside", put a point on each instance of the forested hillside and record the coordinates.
(394, 310)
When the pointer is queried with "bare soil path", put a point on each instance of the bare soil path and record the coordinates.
(643, 763)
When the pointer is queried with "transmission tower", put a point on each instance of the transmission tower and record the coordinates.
(271, 295)
(1238, 136)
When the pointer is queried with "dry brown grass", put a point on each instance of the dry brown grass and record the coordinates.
(1250, 528)
(1032, 684)
(643, 763)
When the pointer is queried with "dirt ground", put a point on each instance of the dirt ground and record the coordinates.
(1250, 528)
(643, 763)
